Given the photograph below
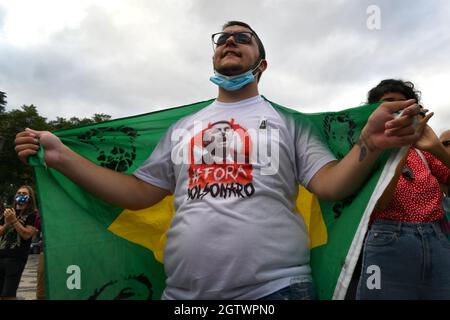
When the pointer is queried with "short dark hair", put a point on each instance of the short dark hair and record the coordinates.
(262, 51)
(392, 85)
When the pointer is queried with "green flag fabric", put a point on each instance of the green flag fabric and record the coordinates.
(94, 250)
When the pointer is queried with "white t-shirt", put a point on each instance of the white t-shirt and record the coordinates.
(234, 169)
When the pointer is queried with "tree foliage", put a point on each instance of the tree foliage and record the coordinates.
(13, 173)
(63, 123)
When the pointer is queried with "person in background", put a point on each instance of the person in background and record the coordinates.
(16, 230)
(405, 242)
(445, 225)
(445, 139)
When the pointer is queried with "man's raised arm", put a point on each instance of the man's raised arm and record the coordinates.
(383, 130)
(124, 191)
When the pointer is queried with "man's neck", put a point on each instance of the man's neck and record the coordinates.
(248, 91)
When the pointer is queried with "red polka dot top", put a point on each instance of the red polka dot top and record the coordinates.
(417, 197)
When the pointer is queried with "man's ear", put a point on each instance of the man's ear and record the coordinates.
(262, 67)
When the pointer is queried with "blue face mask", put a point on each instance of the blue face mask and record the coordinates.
(22, 198)
(233, 83)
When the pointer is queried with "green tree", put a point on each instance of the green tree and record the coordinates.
(63, 123)
(100, 117)
(14, 173)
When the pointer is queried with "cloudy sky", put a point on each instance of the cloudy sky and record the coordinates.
(126, 57)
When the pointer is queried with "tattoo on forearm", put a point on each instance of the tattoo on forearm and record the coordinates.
(365, 147)
(362, 144)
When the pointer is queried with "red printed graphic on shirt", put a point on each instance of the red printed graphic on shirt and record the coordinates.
(220, 162)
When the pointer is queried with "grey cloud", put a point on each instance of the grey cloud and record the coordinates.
(329, 42)
(102, 68)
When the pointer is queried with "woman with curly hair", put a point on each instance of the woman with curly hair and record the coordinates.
(405, 242)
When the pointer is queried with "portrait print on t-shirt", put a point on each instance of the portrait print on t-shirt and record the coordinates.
(220, 164)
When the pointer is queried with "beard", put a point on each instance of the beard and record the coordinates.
(234, 69)
(231, 70)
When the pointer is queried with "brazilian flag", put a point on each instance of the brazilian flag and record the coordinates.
(95, 251)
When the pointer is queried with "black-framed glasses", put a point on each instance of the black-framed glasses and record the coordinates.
(220, 38)
(446, 143)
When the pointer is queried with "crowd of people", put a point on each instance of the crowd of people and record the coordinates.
(264, 251)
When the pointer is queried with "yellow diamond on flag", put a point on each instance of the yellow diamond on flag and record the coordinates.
(309, 208)
(146, 227)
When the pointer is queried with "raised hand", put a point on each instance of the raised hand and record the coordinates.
(384, 129)
(428, 139)
(27, 144)
(10, 216)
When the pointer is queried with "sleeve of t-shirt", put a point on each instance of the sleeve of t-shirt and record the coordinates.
(311, 151)
(437, 168)
(158, 168)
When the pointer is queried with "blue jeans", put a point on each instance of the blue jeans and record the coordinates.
(302, 290)
(405, 260)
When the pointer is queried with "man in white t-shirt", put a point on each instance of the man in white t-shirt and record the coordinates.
(234, 168)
